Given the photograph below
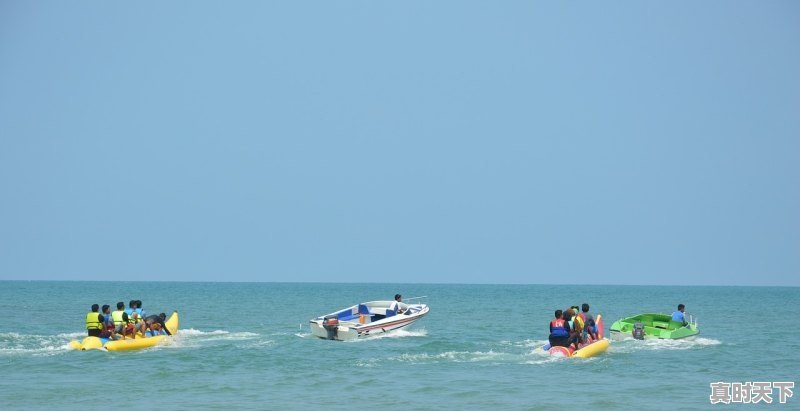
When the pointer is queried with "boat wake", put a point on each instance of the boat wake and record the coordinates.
(526, 352)
(192, 338)
(535, 345)
(216, 334)
(12, 344)
(402, 333)
(490, 357)
(631, 345)
(450, 356)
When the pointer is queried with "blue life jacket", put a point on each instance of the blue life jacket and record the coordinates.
(678, 316)
(557, 328)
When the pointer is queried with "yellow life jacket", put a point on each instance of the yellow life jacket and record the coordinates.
(92, 323)
(579, 322)
(138, 312)
(117, 317)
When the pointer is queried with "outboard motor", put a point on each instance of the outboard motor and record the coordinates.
(331, 324)
(638, 331)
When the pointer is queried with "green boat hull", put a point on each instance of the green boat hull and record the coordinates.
(656, 326)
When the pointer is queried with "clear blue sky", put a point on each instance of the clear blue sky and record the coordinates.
(420, 141)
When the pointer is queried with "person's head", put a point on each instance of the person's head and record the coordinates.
(585, 307)
(681, 307)
(398, 297)
(163, 316)
(559, 313)
(95, 307)
(568, 314)
(138, 303)
(132, 304)
(120, 305)
(106, 308)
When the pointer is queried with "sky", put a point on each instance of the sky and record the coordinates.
(401, 142)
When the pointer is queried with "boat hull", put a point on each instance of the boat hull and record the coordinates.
(656, 326)
(354, 325)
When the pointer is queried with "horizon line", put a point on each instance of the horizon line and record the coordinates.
(403, 283)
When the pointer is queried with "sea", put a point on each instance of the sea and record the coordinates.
(248, 346)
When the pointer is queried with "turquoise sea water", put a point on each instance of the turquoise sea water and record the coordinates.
(248, 346)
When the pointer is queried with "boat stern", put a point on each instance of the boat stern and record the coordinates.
(340, 332)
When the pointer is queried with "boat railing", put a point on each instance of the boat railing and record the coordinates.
(416, 300)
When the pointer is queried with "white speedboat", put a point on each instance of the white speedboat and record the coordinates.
(366, 319)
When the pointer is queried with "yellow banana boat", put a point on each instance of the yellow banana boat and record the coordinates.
(138, 343)
(586, 351)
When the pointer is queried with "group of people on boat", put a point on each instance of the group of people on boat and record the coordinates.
(123, 323)
(573, 327)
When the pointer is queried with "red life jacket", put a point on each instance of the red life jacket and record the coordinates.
(557, 328)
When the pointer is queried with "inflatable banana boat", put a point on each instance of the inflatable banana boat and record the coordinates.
(585, 350)
(138, 343)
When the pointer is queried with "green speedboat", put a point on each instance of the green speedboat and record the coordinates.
(656, 326)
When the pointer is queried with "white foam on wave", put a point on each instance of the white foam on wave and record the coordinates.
(537, 355)
(36, 352)
(531, 344)
(12, 336)
(74, 336)
(14, 343)
(44, 348)
(632, 345)
(402, 333)
(191, 332)
(192, 338)
(546, 358)
(534, 346)
(528, 352)
(459, 356)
